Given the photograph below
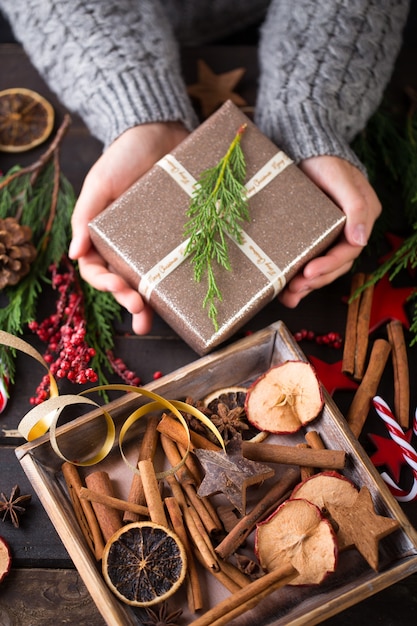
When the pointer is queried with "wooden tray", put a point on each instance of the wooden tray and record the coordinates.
(239, 363)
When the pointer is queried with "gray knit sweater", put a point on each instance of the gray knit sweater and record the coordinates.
(324, 64)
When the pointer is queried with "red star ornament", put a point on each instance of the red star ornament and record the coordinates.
(331, 375)
(388, 453)
(388, 304)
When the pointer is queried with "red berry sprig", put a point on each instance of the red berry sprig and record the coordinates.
(67, 354)
(120, 368)
(332, 339)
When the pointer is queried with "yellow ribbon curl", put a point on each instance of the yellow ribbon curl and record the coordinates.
(44, 416)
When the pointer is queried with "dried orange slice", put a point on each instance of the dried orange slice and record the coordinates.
(26, 119)
(144, 563)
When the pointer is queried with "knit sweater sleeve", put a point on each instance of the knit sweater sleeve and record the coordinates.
(324, 66)
(115, 63)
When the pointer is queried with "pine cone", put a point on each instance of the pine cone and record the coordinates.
(16, 251)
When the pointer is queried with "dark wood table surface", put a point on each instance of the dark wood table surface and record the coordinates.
(43, 586)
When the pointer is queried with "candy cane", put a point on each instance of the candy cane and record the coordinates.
(4, 393)
(415, 423)
(408, 452)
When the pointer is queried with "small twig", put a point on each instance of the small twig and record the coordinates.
(54, 197)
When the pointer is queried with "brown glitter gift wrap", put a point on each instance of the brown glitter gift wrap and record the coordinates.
(291, 222)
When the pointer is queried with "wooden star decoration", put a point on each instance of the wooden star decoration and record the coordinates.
(388, 453)
(362, 526)
(212, 90)
(230, 473)
(331, 376)
(388, 304)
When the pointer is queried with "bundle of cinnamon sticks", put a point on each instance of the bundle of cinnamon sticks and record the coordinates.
(366, 363)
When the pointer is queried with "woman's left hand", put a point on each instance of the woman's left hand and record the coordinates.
(350, 190)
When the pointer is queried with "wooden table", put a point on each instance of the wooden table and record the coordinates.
(43, 586)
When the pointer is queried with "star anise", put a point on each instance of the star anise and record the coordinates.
(14, 506)
(248, 566)
(229, 422)
(163, 617)
(195, 424)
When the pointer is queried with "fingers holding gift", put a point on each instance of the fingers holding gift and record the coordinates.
(95, 271)
(318, 273)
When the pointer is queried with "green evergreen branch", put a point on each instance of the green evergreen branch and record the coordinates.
(41, 197)
(218, 206)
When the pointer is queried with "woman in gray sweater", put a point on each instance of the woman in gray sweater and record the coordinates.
(324, 65)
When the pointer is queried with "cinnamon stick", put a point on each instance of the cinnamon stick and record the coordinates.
(401, 373)
(146, 451)
(357, 328)
(109, 519)
(203, 549)
(192, 464)
(361, 403)
(152, 493)
(115, 503)
(314, 441)
(271, 500)
(194, 595)
(305, 470)
(291, 455)
(247, 597)
(349, 349)
(173, 429)
(219, 575)
(187, 482)
(83, 510)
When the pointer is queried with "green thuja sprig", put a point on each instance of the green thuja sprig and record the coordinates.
(218, 207)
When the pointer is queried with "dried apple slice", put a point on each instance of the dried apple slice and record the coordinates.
(285, 398)
(329, 490)
(5, 559)
(298, 533)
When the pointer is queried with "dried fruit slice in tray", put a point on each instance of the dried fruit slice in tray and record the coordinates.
(285, 398)
(144, 563)
(299, 534)
(229, 414)
(329, 490)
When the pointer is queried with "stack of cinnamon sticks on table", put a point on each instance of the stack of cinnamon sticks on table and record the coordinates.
(366, 364)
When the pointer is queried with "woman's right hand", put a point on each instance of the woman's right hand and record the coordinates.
(123, 163)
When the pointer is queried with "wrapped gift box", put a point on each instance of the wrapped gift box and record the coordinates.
(141, 235)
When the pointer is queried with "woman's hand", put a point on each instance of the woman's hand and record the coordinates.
(123, 163)
(351, 191)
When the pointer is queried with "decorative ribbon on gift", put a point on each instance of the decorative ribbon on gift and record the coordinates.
(248, 246)
(44, 416)
(409, 454)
